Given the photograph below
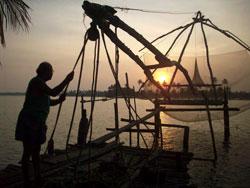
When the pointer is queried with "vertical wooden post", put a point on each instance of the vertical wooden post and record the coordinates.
(161, 136)
(129, 109)
(157, 124)
(211, 126)
(138, 125)
(226, 118)
(117, 137)
(185, 139)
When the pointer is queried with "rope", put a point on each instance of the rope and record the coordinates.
(151, 11)
(92, 100)
(60, 106)
(164, 35)
(119, 86)
(77, 92)
(93, 94)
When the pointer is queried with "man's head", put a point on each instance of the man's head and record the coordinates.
(45, 71)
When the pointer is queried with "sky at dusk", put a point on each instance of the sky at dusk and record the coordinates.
(58, 27)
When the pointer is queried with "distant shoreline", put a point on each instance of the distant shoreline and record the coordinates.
(233, 95)
(12, 93)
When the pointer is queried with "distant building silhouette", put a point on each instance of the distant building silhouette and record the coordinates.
(197, 77)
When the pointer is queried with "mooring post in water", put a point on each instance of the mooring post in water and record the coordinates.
(226, 117)
(157, 123)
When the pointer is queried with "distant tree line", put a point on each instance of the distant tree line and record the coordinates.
(178, 90)
(175, 92)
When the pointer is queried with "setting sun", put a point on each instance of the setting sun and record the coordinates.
(162, 76)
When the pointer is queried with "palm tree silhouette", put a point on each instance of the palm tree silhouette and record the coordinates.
(13, 14)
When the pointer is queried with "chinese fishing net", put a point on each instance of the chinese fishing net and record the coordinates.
(230, 65)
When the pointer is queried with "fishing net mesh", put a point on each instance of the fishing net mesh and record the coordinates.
(230, 69)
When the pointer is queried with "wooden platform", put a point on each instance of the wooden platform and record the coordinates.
(111, 164)
(11, 176)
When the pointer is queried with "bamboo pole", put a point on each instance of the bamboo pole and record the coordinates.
(138, 125)
(208, 61)
(211, 129)
(157, 125)
(113, 72)
(164, 35)
(134, 57)
(180, 58)
(117, 138)
(176, 38)
(229, 35)
(129, 106)
(108, 136)
(91, 10)
(226, 118)
(173, 43)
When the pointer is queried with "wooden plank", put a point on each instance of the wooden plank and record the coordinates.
(127, 127)
(192, 109)
(134, 130)
(74, 154)
(156, 66)
(191, 102)
(162, 124)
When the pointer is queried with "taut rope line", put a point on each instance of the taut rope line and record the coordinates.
(60, 106)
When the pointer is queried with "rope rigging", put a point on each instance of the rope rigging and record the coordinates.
(198, 19)
(118, 82)
(93, 35)
(151, 11)
(50, 145)
(77, 93)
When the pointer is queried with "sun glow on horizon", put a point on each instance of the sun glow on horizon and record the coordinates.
(162, 77)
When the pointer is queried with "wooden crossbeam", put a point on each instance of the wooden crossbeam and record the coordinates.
(191, 102)
(156, 66)
(192, 109)
(134, 130)
(122, 129)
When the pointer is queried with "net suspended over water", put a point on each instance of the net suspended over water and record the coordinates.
(230, 69)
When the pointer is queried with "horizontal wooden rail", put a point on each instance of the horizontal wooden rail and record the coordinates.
(191, 102)
(126, 127)
(162, 124)
(193, 109)
(185, 135)
(134, 130)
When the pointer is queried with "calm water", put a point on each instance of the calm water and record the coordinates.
(231, 170)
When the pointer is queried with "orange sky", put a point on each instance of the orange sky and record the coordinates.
(57, 31)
